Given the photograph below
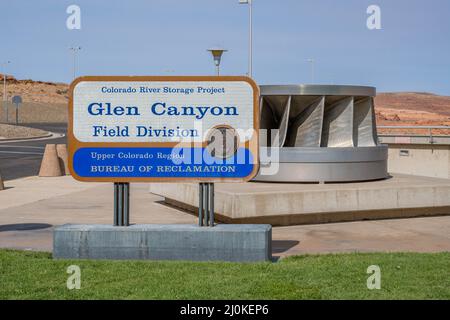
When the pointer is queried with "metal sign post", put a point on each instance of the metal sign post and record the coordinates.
(121, 204)
(17, 100)
(206, 204)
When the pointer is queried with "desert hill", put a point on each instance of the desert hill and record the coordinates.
(409, 108)
(35, 91)
(42, 101)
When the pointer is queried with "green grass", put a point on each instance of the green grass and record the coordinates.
(32, 275)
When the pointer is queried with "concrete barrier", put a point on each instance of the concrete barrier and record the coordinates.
(61, 150)
(50, 166)
(239, 243)
(427, 156)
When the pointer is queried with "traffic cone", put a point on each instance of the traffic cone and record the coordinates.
(50, 166)
(61, 150)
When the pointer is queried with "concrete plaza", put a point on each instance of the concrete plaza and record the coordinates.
(31, 207)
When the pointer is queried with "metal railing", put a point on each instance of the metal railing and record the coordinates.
(429, 129)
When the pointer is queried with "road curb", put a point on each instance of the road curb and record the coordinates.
(50, 135)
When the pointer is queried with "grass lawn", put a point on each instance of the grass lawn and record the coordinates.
(32, 275)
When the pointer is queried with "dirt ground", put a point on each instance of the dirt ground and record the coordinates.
(8, 131)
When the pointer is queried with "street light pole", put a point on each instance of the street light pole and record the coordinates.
(217, 56)
(5, 98)
(74, 52)
(206, 189)
(312, 61)
(250, 37)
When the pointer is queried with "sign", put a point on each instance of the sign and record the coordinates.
(17, 100)
(124, 129)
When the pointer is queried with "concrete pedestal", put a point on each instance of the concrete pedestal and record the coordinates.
(164, 242)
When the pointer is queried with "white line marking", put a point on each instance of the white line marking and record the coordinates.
(19, 152)
(30, 147)
(53, 136)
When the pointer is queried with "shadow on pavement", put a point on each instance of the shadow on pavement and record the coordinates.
(24, 226)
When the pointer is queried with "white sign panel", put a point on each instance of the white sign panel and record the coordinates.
(141, 111)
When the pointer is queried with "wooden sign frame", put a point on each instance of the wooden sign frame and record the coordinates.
(74, 144)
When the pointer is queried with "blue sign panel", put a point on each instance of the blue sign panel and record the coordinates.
(160, 162)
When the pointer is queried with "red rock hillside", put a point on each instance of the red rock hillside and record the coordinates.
(392, 109)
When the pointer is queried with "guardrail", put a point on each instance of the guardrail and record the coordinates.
(428, 128)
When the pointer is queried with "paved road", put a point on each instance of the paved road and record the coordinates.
(23, 159)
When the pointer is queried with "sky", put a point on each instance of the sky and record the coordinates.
(411, 51)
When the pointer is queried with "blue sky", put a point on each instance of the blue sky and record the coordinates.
(161, 37)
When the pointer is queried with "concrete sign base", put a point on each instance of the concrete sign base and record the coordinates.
(240, 243)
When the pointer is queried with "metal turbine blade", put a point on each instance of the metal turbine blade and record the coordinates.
(280, 138)
(306, 128)
(338, 124)
(275, 115)
(364, 131)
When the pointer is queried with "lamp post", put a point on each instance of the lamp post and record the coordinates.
(250, 36)
(74, 52)
(312, 61)
(217, 55)
(206, 189)
(5, 98)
